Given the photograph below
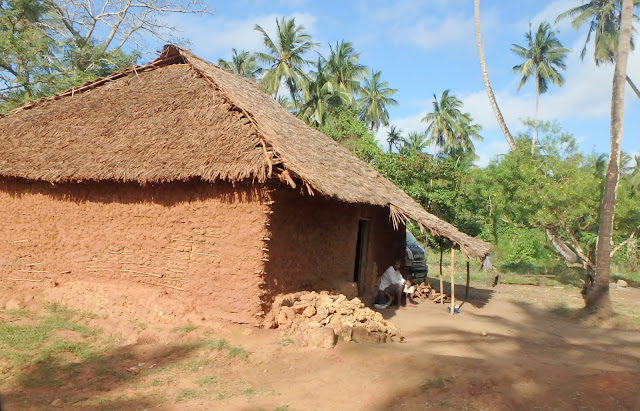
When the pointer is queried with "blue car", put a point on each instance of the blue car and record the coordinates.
(415, 265)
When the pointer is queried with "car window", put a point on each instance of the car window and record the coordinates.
(411, 240)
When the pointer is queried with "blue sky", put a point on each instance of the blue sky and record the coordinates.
(425, 47)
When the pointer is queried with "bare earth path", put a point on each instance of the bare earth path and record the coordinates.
(530, 359)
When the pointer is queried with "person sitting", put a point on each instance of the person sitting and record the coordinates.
(394, 284)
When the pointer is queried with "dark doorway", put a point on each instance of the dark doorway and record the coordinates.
(361, 255)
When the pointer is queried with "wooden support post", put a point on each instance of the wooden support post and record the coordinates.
(453, 293)
(441, 280)
(466, 290)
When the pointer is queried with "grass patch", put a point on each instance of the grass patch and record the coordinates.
(19, 313)
(194, 365)
(219, 344)
(80, 350)
(284, 342)
(137, 325)
(282, 408)
(205, 381)
(184, 329)
(436, 382)
(187, 394)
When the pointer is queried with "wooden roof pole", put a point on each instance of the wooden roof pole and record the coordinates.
(453, 285)
(441, 280)
(466, 290)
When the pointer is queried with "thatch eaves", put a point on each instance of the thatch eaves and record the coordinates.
(181, 117)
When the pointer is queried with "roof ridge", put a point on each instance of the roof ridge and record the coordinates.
(165, 59)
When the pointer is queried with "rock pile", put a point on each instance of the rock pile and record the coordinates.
(321, 318)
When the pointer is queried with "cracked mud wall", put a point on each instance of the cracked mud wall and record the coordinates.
(162, 250)
(313, 245)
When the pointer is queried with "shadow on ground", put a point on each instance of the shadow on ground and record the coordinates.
(92, 383)
(531, 361)
(477, 297)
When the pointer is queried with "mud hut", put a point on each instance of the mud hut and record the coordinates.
(178, 187)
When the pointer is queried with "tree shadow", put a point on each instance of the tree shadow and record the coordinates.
(532, 360)
(477, 297)
(91, 382)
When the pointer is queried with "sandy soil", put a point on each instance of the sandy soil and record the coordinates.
(530, 359)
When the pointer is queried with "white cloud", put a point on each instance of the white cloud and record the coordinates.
(433, 32)
(212, 36)
(586, 94)
(550, 13)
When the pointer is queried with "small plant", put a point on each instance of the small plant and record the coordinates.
(137, 325)
(282, 408)
(436, 382)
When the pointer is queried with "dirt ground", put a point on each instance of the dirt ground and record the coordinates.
(530, 359)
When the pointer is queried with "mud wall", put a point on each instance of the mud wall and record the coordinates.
(112, 248)
(313, 245)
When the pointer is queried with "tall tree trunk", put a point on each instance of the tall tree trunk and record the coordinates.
(485, 78)
(598, 299)
(535, 120)
(633, 86)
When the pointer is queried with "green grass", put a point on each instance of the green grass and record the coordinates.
(184, 329)
(187, 394)
(194, 365)
(137, 326)
(205, 381)
(284, 342)
(219, 344)
(19, 313)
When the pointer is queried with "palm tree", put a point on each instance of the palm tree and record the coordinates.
(243, 64)
(603, 18)
(319, 95)
(415, 143)
(598, 299)
(376, 96)
(285, 57)
(344, 68)
(443, 121)
(467, 133)
(485, 77)
(394, 136)
(543, 56)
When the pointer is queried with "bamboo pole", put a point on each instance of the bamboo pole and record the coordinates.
(25, 279)
(141, 272)
(453, 266)
(167, 285)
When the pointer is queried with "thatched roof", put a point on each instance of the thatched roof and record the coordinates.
(181, 117)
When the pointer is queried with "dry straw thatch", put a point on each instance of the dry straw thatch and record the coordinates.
(181, 117)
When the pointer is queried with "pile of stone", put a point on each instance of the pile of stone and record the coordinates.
(321, 318)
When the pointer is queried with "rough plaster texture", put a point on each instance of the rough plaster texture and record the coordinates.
(313, 245)
(113, 248)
